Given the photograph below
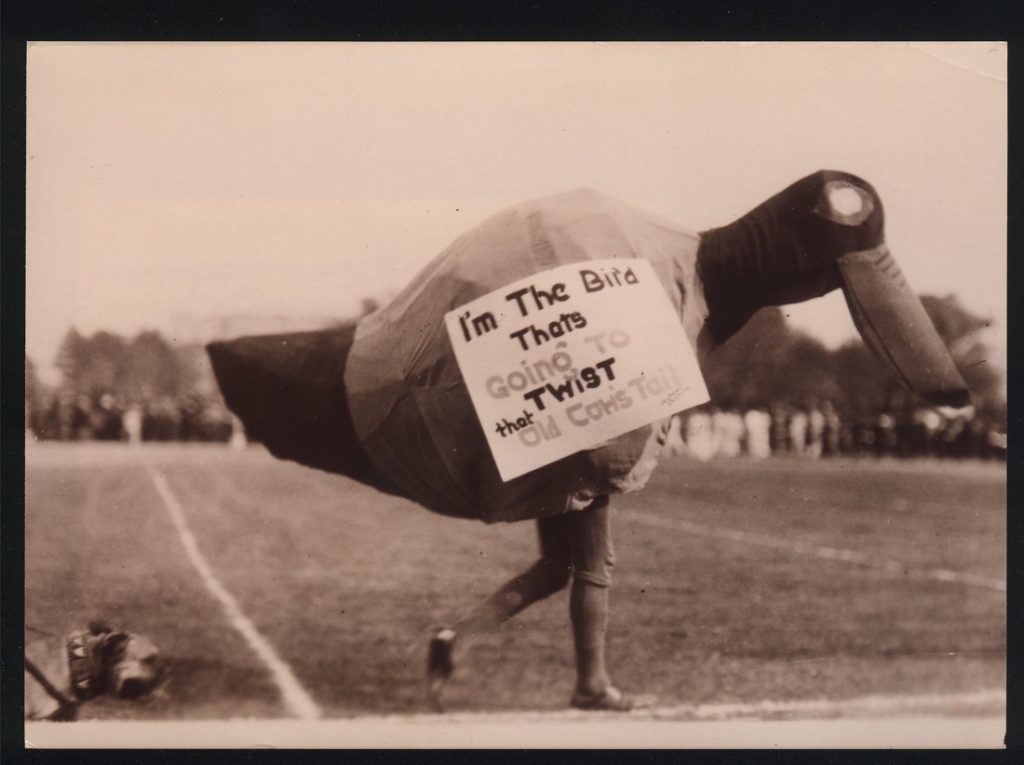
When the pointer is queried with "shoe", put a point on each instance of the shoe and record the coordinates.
(440, 663)
(611, 699)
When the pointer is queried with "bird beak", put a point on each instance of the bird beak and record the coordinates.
(894, 324)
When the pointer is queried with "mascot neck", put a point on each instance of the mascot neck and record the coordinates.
(733, 266)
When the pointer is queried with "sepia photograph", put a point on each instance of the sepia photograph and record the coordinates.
(515, 395)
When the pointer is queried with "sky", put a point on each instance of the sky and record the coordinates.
(190, 181)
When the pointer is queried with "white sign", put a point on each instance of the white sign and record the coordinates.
(572, 357)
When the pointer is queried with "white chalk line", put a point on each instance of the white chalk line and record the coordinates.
(862, 706)
(817, 551)
(296, 699)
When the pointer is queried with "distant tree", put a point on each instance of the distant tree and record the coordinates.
(72, 358)
(32, 384)
(91, 365)
(809, 371)
(196, 374)
(743, 371)
(864, 383)
(107, 362)
(768, 361)
(153, 368)
(34, 394)
(145, 366)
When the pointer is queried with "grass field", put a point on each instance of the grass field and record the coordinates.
(737, 581)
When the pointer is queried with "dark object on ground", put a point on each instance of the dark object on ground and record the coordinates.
(63, 673)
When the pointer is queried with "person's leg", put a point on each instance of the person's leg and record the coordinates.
(543, 579)
(580, 542)
(588, 609)
(548, 575)
(592, 556)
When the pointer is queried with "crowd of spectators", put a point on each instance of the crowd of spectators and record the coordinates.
(703, 433)
(818, 431)
(66, 416)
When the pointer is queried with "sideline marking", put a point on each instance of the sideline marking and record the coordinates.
(874, 706)
(818, 551)
(298, 702)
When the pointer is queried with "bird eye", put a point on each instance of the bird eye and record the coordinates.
(845, 200)
(844, 203)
